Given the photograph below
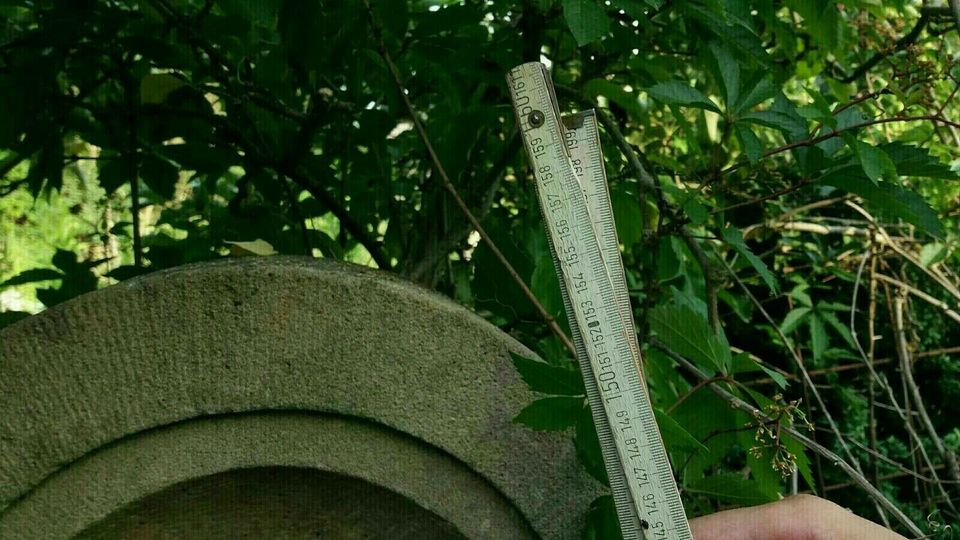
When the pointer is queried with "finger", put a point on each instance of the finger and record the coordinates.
(795, 518)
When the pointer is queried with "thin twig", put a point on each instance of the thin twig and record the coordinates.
(943, 306)
(906, 414)
(763, 198)
(819, 449)
(694, 390)
(871, 421)
(650, 184)
(394, 72)
(907, 370)
(899, 250)
(907, 39)
(854, 367)
(446, 244)
(297, 214)
(813, 141)
(808, 382)
(357, 230)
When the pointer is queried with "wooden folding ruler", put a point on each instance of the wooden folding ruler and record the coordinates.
(572, 188)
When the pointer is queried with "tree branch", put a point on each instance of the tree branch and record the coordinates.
(813, 141)
(807, 381)
(737, 403)
(943, 306)
(446, 244)
(448, 185)
(907, 39)
(906, 369)
(356, 229)
(650, 184)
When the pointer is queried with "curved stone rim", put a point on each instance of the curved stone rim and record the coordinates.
(205, 361)
(216, 444)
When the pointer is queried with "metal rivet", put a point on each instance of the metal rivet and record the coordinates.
(536, 118)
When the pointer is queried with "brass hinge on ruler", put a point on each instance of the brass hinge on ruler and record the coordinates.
(571, 183)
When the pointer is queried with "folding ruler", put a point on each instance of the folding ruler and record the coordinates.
(572, 188)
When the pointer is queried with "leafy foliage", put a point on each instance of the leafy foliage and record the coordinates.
(780, 173)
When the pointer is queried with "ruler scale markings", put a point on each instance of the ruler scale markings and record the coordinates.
(577, 131)
(648, 505)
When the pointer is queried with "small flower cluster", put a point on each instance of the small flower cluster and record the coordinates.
(768, 436)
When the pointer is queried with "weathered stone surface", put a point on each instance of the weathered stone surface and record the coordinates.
(315, 374)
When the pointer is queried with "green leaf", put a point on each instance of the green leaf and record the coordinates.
(680, 93)
(252, 248)
(819, 102)
(777, 377)
(46, 167)
(548, 379)
(675, 438)
(32, 276)
(602, 520)
(876, 164)
(688, 334)
(757, 94)
(588, 446)
(695, 210)
(799, 293)
(729, 73)
(750, 142)
(890, 202)
(932, 254)
(635, 8)
(794, 318)
(835, 323)
(155, 87)
(586, 19)
(734, 238)
(551, 413)
(819, 341)
(773, 119)
(913, 161)
(260, 12)
(743, 363)
(546, 287)
(159, 175)
(628, 217)
(740, 304)
(822, 20)
(668, 259)
(845, 119)
(730, 488)
(113, 173)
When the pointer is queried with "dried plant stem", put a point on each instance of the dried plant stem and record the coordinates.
(807, 381)
(885, 238)
(855, 476)
(907, 371)
(943, 306)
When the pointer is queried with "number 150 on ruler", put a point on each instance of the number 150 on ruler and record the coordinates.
(571, 183)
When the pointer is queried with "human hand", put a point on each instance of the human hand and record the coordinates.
(800, 517)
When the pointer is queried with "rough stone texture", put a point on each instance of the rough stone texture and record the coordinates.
(179, 380)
